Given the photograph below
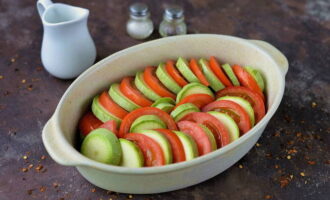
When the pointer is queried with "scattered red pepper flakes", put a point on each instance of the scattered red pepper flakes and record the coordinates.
(56, 185)
(25, 169)
(287, 118)
(39, 168)
(93, 190)
(314, 104)
(284, 181)
(292, 151)
(268, 196)
(42, 189)
(30, 191)
(310, 162)
(30, 87)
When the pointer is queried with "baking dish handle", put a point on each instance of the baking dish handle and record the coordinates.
(278, 56)
(57, 146)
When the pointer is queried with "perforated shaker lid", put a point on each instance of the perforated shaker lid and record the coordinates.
(173, 12)
(139, 9)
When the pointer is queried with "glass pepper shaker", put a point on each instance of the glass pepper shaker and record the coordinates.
(139, 26)
(173, 22)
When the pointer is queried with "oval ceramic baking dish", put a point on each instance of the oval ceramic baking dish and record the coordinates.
(60, 131)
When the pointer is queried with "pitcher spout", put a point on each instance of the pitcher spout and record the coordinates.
(58, 13)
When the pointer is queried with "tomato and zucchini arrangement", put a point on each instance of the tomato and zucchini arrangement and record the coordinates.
(172, 113)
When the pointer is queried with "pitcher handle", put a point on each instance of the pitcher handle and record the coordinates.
(42, 6)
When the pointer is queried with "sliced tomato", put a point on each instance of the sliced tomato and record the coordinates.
(127, 87)
(199, 100)
(176, 145)
(132, 116)
(152, 81)
(219, 131)
(193, 65)
(247, 80)
(152, 152)
(175, 74)
(242, 118)
(111, 125)
(217, 70)
(251, 96)
(106, 101)
(198, 134)
(88, 123)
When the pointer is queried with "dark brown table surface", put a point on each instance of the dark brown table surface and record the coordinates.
(291, 159)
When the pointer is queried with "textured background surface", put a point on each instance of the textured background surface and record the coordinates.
(291, 160)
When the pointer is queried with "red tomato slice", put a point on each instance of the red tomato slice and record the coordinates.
(106, 101)
(219, 131)
(193, 65)
(88, 123)
(153, 82)
(198, 134)
(132, 116)
(249, 95)
(175, 74)
(176, 145)
(152, 152)
(128, 88)
(199, 100)
(216, 68)
(244, 123)
(111, 125)
(247, 80)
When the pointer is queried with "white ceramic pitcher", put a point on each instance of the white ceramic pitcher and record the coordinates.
(67, 46)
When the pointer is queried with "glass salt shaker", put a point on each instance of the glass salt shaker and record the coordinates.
(173, 22)
(139, 26)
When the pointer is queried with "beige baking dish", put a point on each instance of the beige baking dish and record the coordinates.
(60, 131)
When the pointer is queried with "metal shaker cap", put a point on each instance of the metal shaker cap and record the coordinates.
(139, 9)
(173, 12)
